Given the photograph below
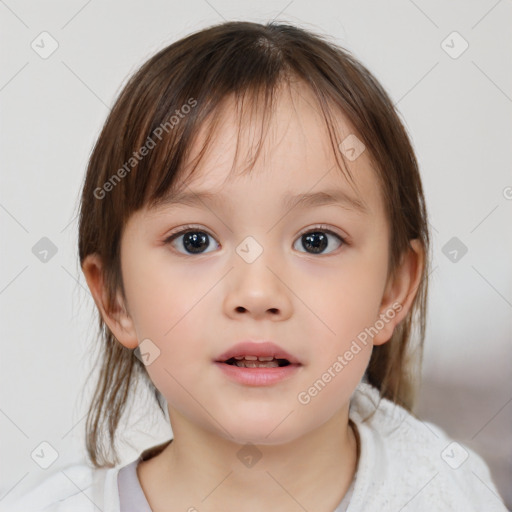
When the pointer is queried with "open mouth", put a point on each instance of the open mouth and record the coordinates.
(270, 365)
(257, 362)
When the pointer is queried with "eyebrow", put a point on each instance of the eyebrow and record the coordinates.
(330, 197)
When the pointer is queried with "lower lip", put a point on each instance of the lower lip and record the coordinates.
(258, 376)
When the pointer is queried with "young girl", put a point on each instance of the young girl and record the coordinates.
(254, 233)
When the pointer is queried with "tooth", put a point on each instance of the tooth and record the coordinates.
(258, 364)
(239, 357)
(251, 358)
(265, 358)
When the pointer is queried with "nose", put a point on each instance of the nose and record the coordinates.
(259, 290)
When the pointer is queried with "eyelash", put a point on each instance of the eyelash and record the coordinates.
(190, 228)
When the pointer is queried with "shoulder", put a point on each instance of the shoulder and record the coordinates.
(412, 464)
(78, 487)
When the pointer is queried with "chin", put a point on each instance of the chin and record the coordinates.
(260, 430)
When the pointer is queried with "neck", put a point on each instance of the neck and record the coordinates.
(200, 469)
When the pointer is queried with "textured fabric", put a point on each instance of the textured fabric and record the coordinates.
(404, 464)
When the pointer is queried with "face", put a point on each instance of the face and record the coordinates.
(309, 278)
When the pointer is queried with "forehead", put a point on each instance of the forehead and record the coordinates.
(296, 154)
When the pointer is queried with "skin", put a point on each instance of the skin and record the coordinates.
(195, 306)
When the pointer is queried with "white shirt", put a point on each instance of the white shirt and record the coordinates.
(405, 465)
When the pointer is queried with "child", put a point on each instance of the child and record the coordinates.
(254, 233)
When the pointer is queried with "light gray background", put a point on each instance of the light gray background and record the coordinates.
(457, 110)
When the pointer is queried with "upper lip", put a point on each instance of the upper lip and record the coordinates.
(258, 349)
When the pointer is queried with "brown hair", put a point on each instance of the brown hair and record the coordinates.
(176, 91)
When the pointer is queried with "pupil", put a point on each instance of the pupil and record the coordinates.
(193, 241)
(317, 240)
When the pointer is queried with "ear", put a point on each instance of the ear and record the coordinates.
(400, 292)
(117, 318)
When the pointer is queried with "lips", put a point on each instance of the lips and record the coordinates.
(264, 349)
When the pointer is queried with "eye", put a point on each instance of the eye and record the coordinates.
(316, 240)
(194, 240)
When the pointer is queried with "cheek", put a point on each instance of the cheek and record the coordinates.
(346, 299)
(163, 296)
(168, 316)
(168, 302)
